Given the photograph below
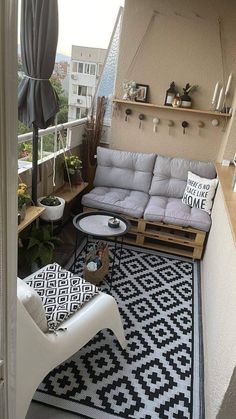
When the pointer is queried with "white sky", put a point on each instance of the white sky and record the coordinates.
(86, 23)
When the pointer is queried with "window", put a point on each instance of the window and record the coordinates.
(89, 91)
(74, 67)
(86, 68)
(92, 69)
(99, 69)
(83, 113)
(80, 67)
(82, 90)
(74, 89)
(77, 113)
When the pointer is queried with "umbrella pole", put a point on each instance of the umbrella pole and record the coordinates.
(35, 163)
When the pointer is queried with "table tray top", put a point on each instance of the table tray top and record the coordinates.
(96, 224)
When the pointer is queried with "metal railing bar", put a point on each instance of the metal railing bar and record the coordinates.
(28, 136)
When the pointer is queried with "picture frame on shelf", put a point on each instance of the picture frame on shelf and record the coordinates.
(142, 95)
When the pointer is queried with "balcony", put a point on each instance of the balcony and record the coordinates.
(156, 47)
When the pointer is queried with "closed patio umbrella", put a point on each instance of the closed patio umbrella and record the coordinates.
(37, 100)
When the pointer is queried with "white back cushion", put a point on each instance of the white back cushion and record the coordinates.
(32, 303)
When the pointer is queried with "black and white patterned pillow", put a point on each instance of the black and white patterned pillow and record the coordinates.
(62, 293)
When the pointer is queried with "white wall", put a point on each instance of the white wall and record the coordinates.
(219, 308)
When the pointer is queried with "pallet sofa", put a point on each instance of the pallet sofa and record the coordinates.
(148, 190)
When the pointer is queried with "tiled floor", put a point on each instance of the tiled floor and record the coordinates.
(40, 411)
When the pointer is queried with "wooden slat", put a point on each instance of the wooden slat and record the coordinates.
(141, 234)
(225, 175)
(162, 248)
(170, 108)
(69, 193)
(32, 213)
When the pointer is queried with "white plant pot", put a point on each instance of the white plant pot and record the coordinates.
(52, 213)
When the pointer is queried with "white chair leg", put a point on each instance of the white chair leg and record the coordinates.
(115, 324)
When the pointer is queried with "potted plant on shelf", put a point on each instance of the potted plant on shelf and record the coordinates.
(53, 207)
(72, 170)
(23, 200)
(36, 249)
(186, 100)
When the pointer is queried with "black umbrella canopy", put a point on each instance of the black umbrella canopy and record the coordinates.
(37, 100)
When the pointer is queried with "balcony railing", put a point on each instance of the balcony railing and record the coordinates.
(72, 136)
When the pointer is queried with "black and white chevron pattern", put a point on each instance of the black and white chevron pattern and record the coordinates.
(153, 377)
(62, 293)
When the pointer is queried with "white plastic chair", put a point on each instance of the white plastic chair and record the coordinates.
(38, 353)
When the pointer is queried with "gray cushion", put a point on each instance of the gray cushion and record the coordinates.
(170, 175)
(173, 211)
(118, 200)
(124, 169)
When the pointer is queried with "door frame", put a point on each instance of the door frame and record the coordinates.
(8, 205)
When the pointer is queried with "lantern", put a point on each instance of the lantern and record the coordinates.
(170, 94)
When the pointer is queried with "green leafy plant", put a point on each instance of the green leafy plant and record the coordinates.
(50, 201)
(38, 247)
(190, 89)
(72, 163)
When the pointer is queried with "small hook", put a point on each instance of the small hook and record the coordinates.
(155, 121)
(215, 122)
(185, 124)
(141, 117)
(128, 112)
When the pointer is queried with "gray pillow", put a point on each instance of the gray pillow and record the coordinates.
(124, 169)
(171, 173)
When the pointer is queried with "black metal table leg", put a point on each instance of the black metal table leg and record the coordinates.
(113, 263)
(75, 252)
(121, 248)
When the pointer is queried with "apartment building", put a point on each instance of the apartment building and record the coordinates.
(86, 67)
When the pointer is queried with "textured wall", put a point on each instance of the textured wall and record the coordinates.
(219, 310)
(183, 45)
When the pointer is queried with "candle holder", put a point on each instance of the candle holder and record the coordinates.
(113, 222)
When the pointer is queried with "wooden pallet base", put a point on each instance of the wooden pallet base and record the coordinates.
(183, 241)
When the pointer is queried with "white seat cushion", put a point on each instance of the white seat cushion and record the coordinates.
(173, 211)
(123, 201)
(32, 303)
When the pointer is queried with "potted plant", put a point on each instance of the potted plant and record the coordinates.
(23, 200)
(36, 250)
(53, 207)
(72, 170)
(186, 101)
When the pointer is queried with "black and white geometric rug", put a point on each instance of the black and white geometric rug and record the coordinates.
(158, 375)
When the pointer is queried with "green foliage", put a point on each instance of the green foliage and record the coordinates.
(25, 150)
(22, 128)
(38, 246)
(72, 163)
(62, 115)
(190, 89)
(50, 201)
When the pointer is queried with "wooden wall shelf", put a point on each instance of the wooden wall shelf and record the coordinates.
(69, 193)
(170, 108)
(32, 213)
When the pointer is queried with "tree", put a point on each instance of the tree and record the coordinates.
(62, 115)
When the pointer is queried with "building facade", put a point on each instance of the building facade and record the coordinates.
(85, 69)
